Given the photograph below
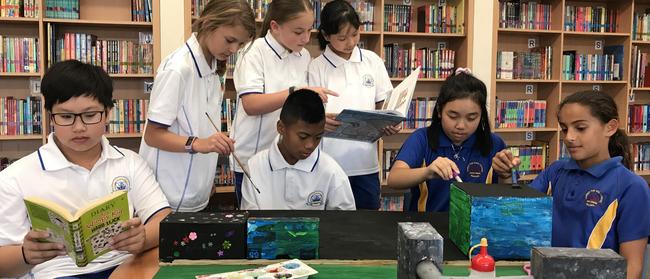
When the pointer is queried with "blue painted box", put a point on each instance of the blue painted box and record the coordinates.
(283, 238)
(512, 219)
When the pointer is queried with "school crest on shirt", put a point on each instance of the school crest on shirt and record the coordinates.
(474, 169)
(120, 183)
(315, 198)
(593, 197)
(368, 80)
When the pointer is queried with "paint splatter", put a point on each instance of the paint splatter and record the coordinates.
(176, 253)
(220, 253)
(226, 244)
(193, 236)
(291, 265)
(210, 244)
(175, 242)
(230, 233)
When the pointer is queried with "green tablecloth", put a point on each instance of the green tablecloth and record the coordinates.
(324, 271)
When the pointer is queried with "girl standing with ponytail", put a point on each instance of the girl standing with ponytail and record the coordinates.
(598, 202)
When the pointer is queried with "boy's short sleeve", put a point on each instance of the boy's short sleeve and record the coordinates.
(13, 214)
(166, 97)
(147, 197)
(633, 211)
(340, 197)
(249, 73)
(413, 149)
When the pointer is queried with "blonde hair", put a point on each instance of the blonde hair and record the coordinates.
(217, 13)
(282, 11)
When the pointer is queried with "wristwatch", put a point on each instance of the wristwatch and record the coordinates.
(292, 89)
(188, 144)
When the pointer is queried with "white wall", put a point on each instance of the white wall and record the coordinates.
(482, 45)
(171, 26)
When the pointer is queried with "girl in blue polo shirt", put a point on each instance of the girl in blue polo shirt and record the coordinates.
(458, 143)
(598, 202)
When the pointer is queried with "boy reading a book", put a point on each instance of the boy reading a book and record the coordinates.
(293, 173)
(75, 167)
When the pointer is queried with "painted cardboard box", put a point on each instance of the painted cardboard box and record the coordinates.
(283, 238)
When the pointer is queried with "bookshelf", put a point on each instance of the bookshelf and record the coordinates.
(566, 40)
(107, 20)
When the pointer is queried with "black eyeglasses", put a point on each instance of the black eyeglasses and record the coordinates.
(68, 119)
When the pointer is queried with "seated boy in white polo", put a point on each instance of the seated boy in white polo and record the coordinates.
(293, 173)
(76, 166)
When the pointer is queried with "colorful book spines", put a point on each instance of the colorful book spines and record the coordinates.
(65, 9)
(641, 156)
(20, 116)
(524, 15)
(434, 63)
(225, 174)
(533, 158)
(19, 55)
(640, 71)
(389, 157)
(228, 107)
(129, 116)
(438, 18)
(397, 18)
(534, 64)
(607, 66)
(392, 203)
(591, 19)
(641, 26)
(141, 10)
(419, 114)
(638, 118)
(19, 8)
(366, 12)
(521, 114)
(259, 7)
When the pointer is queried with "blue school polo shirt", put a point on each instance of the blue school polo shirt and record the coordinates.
(473, 166)
(598, 207)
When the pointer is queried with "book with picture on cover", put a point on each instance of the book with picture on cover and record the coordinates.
(85, 233)
(368, 125)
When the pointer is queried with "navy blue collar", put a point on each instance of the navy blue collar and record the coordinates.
(444, 141)
(596, 170)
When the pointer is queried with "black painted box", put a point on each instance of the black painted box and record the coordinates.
(203, 235)
(577, 263)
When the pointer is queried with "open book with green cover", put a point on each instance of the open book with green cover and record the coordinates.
(85, 233)
(368, 125)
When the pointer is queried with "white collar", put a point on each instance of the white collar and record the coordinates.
(200, 63)
(52, 158)
(277, 161)
(335, 60)
(280, 51)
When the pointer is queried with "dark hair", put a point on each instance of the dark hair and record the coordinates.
(305, 105)
(462, 86)
(335, 15)
(282, 11)
(71, 78)
(603, 107)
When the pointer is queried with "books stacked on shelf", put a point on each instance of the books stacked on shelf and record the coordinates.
(389, 157)
(317, 5)
(260, 7)
(129, 116)
(114, 56)
(439, 18)
(639, 68)
(591, 19)
(639, 117)
(641, 26)
(19, 8)
(397, 18)
(516, 14)
(419, 114)
(521, 114)
(641, 156)
(392, 203)
(230, 64)
(533, 158)
(65, 9)
(20, 116)
(141, 10)
(19, 55)
(228, 107)
(534, 64)
(366, 11)
(606, 66)
(400, 60)
(225, 174)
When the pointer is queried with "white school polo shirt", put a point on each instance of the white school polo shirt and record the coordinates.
(267, 67)
(361, 81)
(184, 90)
(47, 174)
(315, 183)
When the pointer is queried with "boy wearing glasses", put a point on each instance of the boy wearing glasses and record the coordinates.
(76, 166)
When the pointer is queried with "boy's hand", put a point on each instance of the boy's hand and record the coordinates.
(331, 124)
(443, 168)
(322, 92)
(36, 252)
(503, 162)
(217, 142)
(131, 240)
(391, 130)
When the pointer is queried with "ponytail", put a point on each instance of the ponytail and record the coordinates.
(619, 145)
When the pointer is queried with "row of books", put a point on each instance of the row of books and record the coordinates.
(397, 18)
(114, 56)
(640, 72)
(533, 158)
(641, 156)
(19, 8)
(65, 9)
(607, 66)
(141, 10)
(419, 114)
(533, 64)
(521, 114)
(392, 203)
(19, 55)
(389, 157)
(366, 12)
(641, 26)
(400, 60)
(20, 116)
(228, 107)
(129, 116)
(441, 18)
(591, 19)
(531, 15)
(638, 118)
(317, 5)
(225, 175)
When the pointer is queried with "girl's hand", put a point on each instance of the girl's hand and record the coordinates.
(322, 92)
(443, 168)
(217, 142)
(391, 130)
(36, 252)
(331, 124)
(503, 162)
(131, 240)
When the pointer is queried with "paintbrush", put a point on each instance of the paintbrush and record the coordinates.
(246, 173)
